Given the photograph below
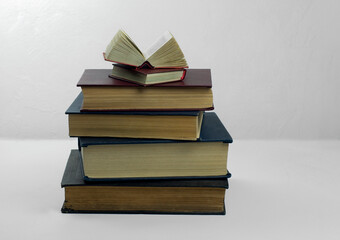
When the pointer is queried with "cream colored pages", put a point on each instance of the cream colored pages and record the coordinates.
(158, 44)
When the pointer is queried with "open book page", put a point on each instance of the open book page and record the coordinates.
(131, 42)
(123, 50)
(158, 44)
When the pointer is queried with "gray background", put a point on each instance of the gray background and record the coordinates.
(275, 64)
(275, 67)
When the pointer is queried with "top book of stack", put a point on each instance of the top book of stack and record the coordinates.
(164, 53)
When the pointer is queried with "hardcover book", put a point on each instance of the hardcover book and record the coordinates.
(164, 53)
(102, 93)
(127, 158)
(182, 196)
(180, 125)
(145, 76)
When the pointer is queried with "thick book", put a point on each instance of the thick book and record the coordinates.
(145, 76)
(128, 158)
(164, 53)
(181, 196)
(179, 125)
(102, 93)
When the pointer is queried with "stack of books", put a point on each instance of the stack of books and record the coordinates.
(146, 147)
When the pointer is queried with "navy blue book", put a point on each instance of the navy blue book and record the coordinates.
(106, 159)
(177, 125)
(180, 196)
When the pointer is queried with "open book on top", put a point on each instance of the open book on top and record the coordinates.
(164, 53)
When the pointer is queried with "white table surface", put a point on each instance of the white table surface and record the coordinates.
(279, 190)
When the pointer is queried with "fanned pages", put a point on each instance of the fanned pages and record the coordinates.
(123, 50)
(164, 53)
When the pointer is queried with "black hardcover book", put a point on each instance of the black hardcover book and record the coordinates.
(107, 159)
(181, 196)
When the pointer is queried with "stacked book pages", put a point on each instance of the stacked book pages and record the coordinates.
(145, 141)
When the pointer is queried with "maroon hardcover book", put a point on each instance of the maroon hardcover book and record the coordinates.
(195, 79)
(100, 77)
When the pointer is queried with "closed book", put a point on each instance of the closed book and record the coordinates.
(180, 125)
(128, 158)
(103, 93)
(147, 76)
(181, 196)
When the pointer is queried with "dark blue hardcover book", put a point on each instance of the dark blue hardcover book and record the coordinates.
(111, 197)
(91, 180)
(74, 176)
(177, 125)
(105, 159)
(212, 130)
(75, 107)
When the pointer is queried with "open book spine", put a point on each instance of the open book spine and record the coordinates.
(146, 64)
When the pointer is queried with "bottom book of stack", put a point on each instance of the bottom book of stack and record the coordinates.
(166, 196)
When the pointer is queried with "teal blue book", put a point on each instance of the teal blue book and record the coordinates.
(106, 159)
(167, 196)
